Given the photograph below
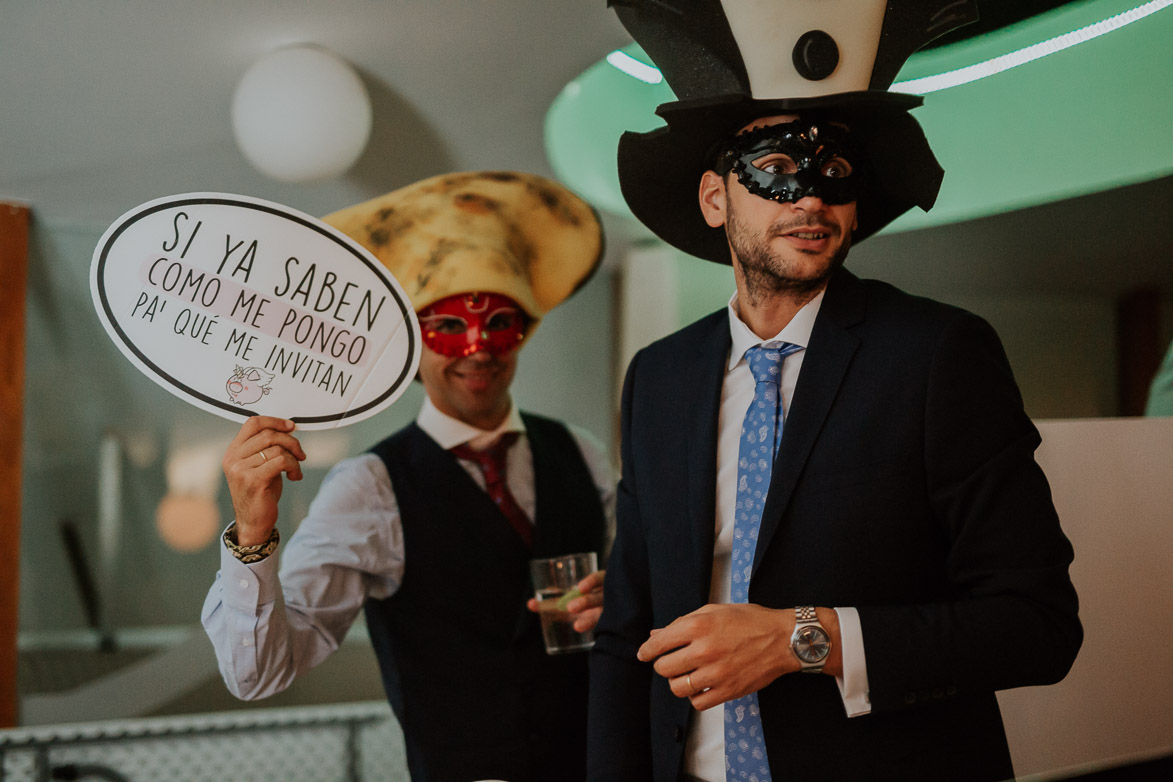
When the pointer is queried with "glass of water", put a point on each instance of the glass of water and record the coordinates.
(555, 580)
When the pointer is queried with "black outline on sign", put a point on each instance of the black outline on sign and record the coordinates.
(114, 323)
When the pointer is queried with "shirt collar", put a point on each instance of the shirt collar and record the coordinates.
(450, 432)
(796, 332)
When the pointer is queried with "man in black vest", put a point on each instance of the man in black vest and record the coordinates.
(424, 532)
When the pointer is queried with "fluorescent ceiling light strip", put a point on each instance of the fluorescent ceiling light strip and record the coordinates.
(1005, 62)
(633, 67)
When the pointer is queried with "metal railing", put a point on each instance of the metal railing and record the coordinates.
(358, 742)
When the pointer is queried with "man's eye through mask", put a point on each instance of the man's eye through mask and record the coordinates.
(793, 160)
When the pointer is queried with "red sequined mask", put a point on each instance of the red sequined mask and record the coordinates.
(468, 322)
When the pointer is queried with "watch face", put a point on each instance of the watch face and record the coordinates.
(811, 644)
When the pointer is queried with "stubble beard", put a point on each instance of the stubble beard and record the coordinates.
(766, 272)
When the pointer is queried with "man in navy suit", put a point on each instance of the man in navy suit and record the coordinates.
(853, 618)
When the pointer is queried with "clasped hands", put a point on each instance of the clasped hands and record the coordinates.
(721, 652)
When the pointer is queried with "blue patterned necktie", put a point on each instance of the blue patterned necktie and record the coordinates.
(745, 747)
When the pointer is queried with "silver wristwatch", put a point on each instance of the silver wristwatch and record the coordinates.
(810, 641)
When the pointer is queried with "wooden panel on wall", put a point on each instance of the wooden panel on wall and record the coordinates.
(14, 221)
(1138, 347)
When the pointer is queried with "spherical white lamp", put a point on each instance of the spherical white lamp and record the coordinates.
(301, 114)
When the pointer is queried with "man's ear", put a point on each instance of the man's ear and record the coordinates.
(712, 198)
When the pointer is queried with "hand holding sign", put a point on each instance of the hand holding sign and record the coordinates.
(244, 307)
(262, 450)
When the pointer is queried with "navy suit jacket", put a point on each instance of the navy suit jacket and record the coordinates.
(905, 486)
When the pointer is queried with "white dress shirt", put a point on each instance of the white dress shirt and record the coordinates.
(705, 748)
(268, 627)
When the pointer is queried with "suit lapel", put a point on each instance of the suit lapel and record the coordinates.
(707, 375)
(827, 358)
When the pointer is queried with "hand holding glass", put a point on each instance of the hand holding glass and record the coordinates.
(555, 582)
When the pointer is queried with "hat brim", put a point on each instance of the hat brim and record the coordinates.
(660, 171)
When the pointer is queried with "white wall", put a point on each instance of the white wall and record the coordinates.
(1112, 488)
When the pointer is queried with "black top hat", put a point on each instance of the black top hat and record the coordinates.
(732, 61)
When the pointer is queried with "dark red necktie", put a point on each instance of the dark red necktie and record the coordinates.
(492, 464)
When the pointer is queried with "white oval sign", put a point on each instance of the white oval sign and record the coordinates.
(245, 307)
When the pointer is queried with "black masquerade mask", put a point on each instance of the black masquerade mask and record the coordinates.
(793, 160)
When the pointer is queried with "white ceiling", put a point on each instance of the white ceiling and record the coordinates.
(105, 104)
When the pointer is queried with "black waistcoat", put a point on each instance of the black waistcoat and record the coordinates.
(462, 659)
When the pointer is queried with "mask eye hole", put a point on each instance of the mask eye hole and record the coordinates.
(835, 168)
(446, 324)
(503, 320)
(776, 163)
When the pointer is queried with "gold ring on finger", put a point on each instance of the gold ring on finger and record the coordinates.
(262, 452)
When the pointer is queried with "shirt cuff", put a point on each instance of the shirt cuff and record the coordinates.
(853, 684)
(246, 587)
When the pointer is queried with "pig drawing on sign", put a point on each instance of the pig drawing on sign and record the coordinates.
(248, 384)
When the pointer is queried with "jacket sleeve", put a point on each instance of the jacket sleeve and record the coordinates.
(1011, 616)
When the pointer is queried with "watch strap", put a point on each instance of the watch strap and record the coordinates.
(804, 616)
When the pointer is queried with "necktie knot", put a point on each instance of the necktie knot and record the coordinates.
(765, 361)
(491, 462)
